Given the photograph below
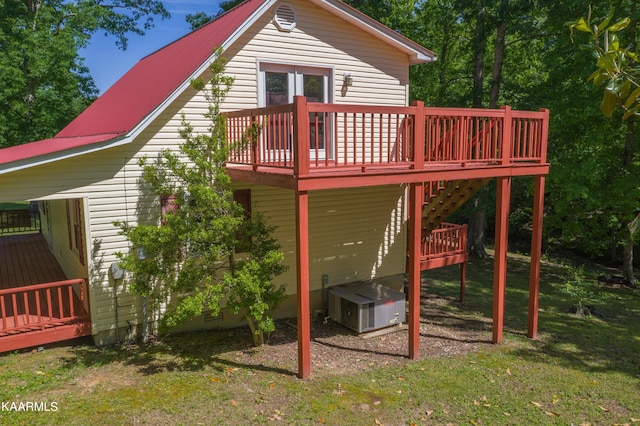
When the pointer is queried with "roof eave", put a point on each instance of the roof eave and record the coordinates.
(52, 157)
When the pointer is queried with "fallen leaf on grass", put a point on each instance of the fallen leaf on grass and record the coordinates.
(476, 403)
(506, 414)
(377, 402)
(234, 402)
(272, 385)
(551, 413)
(537, 404)
(379, 423)
(473, 422)
(605, 409)
(277, 415)
(633, 420)
(508, 371)
(215, 380)
(400, 378)
(321, 420)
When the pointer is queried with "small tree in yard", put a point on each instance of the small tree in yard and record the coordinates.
(252, 291)
(189, 262)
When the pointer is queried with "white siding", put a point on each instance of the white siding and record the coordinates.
(58, 239)
(355, 234)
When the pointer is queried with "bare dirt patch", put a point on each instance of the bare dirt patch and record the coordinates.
(337, 350)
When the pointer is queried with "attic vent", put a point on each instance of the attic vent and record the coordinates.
(285, 18)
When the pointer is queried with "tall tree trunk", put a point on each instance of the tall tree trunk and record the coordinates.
(498, 59)
(627, 262)
(477, 227)
(442, 69)
(479, 45)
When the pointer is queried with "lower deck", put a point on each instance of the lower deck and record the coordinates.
(38, 304)
(18, 256)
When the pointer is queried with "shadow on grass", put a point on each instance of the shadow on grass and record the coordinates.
(608, 341)
(180, 352)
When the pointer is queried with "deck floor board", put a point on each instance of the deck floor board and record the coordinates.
(26, 260)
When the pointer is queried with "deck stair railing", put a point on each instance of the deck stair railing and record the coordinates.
(446, 240)
(442, 198)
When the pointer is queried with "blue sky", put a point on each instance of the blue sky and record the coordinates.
(107, 63)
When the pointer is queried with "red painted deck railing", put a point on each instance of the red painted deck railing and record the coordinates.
(447, 240)
(307, 136)
(40, 306)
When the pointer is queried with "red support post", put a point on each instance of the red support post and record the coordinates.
(301, 143)
(507, 136)
(416, 193)
(500, 260)
(536, 253)
(418, 141)
(302, 275)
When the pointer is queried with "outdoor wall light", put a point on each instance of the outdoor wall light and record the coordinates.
(347, 79)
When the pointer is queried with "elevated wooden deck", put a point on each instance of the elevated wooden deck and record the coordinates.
(38, 305)
(309, 146)
(314, 146)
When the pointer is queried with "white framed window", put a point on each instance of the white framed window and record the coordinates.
(279, 83)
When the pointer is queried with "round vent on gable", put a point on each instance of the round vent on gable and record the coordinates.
(285, 17)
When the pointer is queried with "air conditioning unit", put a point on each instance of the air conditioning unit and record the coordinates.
(366, 306)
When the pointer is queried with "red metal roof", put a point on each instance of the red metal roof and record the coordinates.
(155, 77)
(141, 90)
(149, 83)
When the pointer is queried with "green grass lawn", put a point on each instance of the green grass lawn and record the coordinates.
(581, 370)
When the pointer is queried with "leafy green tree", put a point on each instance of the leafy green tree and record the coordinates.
(198, 19)
(188, 262)
(44, 83)
(617, 71)
(251, 289)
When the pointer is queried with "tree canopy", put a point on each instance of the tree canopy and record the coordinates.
(43, 81)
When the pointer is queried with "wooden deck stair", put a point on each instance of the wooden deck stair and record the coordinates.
(443, 198)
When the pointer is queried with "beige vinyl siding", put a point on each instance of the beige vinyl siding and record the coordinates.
(58, 240)
(380, 73)
(354, 234)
